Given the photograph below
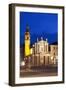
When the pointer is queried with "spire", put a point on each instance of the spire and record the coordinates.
(41, 38)
(37, 40)
(33, 45)
(27, 28)
(46, 39)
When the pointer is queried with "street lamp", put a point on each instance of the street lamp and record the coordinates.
(51, 57)
(23, 63)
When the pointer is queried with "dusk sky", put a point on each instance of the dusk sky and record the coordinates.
(40, 24)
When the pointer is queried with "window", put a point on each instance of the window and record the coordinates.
(54, 48)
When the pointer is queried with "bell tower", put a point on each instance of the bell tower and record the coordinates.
(27, 41)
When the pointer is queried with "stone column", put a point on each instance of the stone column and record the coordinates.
(41, 59)
(35, 48)
(33, 56)
(37, 59)
(29, 63)
(44, 60)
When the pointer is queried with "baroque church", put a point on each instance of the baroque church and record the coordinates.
(41, 53)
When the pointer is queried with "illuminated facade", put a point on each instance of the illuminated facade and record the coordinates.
(27, 42)
(41, 55)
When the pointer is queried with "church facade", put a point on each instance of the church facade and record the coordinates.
(41, 54)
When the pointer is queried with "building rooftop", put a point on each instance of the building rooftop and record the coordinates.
(54, 43)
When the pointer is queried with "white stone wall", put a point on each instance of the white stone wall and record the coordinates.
(41, 54)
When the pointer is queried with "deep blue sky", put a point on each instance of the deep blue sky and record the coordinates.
(41, 24)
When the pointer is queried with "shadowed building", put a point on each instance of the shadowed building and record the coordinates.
(54, 52)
